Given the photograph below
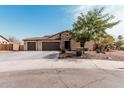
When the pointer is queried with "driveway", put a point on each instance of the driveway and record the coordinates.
(27, 55)
(43, 69)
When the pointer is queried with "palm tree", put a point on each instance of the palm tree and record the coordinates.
(92, 26)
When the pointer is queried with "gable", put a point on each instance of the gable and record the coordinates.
(61, 35)
(3, 40)
(56, 36)
(66, 36)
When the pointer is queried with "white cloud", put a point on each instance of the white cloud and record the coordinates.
(117, 11)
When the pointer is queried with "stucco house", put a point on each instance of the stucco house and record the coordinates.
(3, 40)
(54, 42)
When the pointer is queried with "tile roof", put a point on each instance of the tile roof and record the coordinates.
(47, 37)
(37, 38)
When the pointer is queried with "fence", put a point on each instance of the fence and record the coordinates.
(6, 47)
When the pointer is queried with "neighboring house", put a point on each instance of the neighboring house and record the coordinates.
(3, 40)
(6, 45)
(61, 40)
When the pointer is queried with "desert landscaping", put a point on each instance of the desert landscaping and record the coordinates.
(114, 55)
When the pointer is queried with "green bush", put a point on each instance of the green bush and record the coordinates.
(122, 47)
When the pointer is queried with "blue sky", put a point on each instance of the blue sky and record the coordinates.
(28, 21)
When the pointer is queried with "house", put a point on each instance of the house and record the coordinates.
(61, 40)
(3, 40)
(6, 45)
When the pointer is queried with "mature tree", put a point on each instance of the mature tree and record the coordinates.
(92, 26)
(13, 39)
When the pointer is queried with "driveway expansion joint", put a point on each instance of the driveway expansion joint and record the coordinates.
(92, 82)
(60, 78)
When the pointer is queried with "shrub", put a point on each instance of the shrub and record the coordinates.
(122, 47)
(62, 51)
(79, 52)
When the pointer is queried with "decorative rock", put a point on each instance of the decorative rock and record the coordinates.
(108, 58)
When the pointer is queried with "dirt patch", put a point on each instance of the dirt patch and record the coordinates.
(113, 55)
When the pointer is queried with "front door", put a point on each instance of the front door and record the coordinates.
(67, 45)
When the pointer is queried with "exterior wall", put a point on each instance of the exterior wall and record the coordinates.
(64, 37)
(16, 47)
(3, 41)
(74, 44)
(39, 45)
(50, 40)
(89, 45)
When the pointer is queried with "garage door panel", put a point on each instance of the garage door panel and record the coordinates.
(31, 45)
(51, 46)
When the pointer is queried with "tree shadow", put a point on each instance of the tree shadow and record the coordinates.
(51, 56)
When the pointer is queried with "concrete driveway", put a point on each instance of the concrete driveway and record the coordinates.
(27, 55)
(43, 69)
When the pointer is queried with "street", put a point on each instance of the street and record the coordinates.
(49, 72)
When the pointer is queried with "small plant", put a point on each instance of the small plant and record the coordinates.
(62, 51)
(79, 52)
(97, 50)
(122, 47)
(118, 44)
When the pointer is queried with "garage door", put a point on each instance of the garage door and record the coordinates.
(31, 45)
(50, 46)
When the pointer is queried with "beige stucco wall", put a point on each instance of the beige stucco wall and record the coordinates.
(50, 40)
(74, 44)
(89, 45)
(16, 47)
(39, 45)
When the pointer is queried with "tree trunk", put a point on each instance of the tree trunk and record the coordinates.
(82, 46)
